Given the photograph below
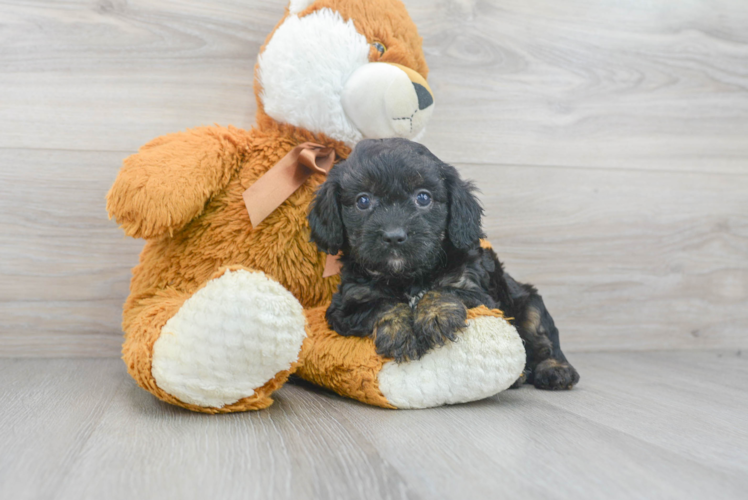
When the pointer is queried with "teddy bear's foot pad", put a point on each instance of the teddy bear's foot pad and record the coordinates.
(230, 338)
(487, 358)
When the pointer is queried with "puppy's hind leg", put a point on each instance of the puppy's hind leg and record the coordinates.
(547, 366)
(550, 368)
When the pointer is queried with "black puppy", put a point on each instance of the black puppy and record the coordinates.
(408, 229)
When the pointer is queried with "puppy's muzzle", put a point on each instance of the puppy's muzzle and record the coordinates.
(387, 100)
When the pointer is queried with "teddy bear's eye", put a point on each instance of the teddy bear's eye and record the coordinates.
(380, 47)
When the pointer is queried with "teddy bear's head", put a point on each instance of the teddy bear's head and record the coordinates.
(350, 69)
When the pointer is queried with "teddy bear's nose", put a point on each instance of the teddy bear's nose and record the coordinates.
(395, 237)
(425, 99)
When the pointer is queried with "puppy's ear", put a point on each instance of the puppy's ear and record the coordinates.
(464, 224)
(325, 219)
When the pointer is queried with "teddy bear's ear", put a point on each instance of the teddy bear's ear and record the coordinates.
(296, 6)
(325, 220)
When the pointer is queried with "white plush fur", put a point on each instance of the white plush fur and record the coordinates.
(296, 6)
(304, 68)
(487, 358)
(228, 339)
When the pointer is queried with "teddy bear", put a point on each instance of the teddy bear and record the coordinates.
(224, 304)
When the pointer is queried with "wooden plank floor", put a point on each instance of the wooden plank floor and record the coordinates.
(639, 425)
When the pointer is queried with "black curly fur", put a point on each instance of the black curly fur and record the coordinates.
(412, 294)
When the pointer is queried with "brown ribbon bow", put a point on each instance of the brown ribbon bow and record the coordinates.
(281, 181)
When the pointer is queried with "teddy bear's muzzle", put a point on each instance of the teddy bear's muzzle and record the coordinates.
(388, 100)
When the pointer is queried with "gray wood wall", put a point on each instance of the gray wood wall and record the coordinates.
(610, 140)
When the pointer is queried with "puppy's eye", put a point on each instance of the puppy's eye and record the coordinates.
(423, 199)
(363, 202)
(380, 47)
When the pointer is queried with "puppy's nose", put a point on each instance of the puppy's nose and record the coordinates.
(395, 236)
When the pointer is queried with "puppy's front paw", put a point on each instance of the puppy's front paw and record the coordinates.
(554, 375)
(439, 316)
(394, 337)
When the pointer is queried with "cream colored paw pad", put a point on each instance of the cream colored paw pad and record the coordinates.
(230, 338)
(487, 358)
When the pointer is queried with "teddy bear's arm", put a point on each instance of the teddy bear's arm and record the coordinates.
(168, 182)
(488, 358)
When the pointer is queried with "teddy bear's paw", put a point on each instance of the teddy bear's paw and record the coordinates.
(230, 338)
(487, 358)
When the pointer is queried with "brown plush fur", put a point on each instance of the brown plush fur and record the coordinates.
(183, 193)
(346, 365)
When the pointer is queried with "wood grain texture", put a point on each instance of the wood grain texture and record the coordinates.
(608, 138)
(65, 267)
(49, 411)
(641, 84)
(639, 425)
(598, 83)
(626, 259)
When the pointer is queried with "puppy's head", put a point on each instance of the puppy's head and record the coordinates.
(395, 208)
